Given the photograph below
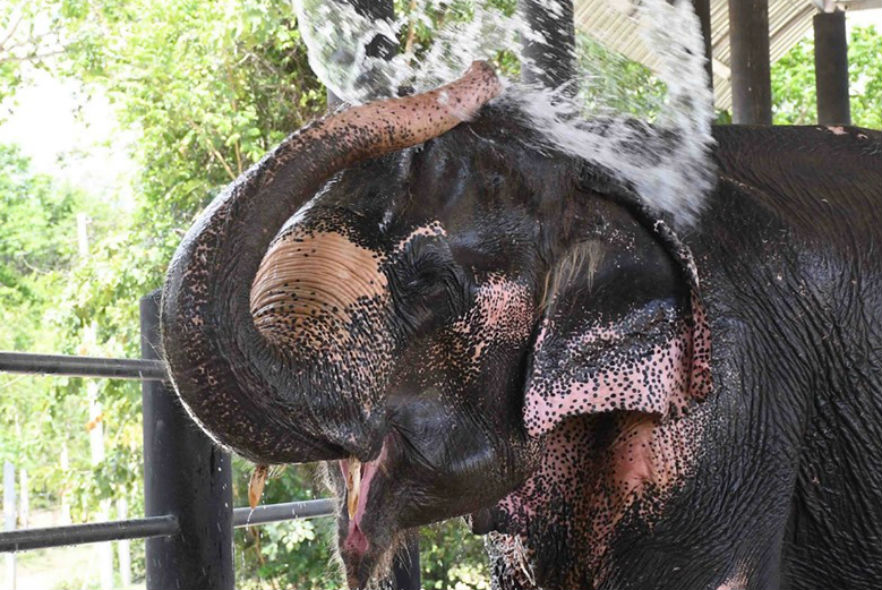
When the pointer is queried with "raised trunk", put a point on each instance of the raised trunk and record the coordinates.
(249, 395)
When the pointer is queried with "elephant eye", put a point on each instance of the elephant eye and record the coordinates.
(430, 286)
(426, 279)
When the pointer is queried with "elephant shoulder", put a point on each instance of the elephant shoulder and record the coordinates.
(817, 182)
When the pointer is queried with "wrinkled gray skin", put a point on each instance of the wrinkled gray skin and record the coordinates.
(491, 330)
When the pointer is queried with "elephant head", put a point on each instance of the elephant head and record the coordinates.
(427, 305)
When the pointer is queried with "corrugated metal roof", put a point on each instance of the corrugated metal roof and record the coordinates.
(613, 24)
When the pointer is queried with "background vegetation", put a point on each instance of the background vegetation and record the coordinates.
(207, 87)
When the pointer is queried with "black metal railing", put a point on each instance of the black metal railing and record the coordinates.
(95, 532)
(189, 517)
(81, 366)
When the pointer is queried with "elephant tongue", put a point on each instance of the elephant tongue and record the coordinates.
(358, 477)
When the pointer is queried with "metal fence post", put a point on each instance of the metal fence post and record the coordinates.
(186, 475)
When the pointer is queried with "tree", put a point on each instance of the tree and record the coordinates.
(794, 98)
(26, 39)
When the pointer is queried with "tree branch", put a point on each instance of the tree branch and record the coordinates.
(30, 57)
(213, 150)
(12, 29)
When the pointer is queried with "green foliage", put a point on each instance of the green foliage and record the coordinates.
(451, 557)
(38, 241)
(424, 19)
(41, 416)
(612, 82)
(794, 98)
(29, 35)
(36, 248)
(211, 88)
(291, 554)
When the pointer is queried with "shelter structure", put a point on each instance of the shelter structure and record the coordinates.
(743, 37)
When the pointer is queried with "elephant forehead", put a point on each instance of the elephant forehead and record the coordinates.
(310, 274)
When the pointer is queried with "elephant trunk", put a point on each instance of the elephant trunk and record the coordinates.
(261, 400)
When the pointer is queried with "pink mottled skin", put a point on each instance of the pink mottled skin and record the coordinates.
(505, 307)
(605, 392)
(648, 456)
(502, 315)
(670, 364)
(431, 230)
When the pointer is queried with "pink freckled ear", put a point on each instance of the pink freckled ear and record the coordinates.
(655, 359)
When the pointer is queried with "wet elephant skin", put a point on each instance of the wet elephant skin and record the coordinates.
(616, 401)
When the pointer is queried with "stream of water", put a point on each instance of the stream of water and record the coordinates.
(666, 162)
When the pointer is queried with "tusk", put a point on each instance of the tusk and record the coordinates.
(255, 486)
(353, 485)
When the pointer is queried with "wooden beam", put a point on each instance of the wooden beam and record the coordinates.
(859, 5)
(751, 76)
(831, 68)
(702, 11)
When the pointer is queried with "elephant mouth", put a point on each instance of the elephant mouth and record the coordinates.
(358, 477)
(365, 543)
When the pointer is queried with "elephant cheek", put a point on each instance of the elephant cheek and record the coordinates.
(502, 318)
(505, 308)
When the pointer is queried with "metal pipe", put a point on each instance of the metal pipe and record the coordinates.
(243, 517)
(96, 532)
(81, 366)
(751, 76)
(186, 475)
(831, 68)
(155, 526)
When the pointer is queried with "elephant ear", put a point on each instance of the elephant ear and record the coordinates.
(623, 329)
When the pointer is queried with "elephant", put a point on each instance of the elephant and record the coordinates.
(461, 323)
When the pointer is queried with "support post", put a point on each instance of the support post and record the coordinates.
(553, 62)
(187, 476)
(702, 11)
(831, 68)
(406, 565)
(751, 77)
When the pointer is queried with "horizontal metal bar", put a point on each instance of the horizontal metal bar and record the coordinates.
(137, 528)
(82, 366)
(287, 511)
(153, 526)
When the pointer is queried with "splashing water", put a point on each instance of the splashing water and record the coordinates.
(666, 163)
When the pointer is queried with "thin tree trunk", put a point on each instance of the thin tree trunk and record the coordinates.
(9, 519)
(125, 556)
(103, 551)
